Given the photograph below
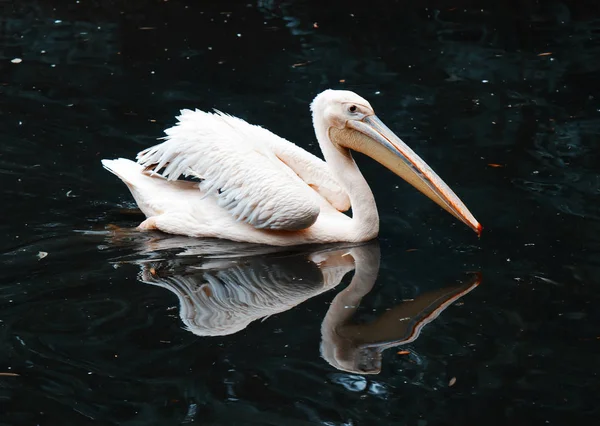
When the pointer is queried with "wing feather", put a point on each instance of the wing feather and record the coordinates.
(308, 167)
(238, 167)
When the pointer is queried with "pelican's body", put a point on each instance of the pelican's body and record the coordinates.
(257, 187)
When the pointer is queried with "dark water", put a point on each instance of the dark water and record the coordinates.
(501, 98)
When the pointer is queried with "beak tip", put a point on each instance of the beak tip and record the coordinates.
(478, 229)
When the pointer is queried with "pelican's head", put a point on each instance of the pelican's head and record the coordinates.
(349, 122)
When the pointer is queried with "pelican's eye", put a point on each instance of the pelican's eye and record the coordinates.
(352, 108)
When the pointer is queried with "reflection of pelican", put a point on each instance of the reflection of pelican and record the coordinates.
(257, 187)
(358, 348)
(223, 295)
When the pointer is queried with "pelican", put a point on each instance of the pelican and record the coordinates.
(257, 187)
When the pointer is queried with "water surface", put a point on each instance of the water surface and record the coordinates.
(501, 100)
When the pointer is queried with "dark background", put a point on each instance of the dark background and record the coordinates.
(500, 98)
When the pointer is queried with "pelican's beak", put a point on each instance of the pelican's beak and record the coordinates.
(386, 148)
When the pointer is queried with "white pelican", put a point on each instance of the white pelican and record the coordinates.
(257, 187)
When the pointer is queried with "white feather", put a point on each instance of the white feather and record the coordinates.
(258, 177)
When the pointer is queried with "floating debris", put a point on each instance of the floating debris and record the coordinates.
(545, 54)
(495, 165)
(41, 255)
(9, 375)
(301, 64)
(403, 353)
(452, 381)
(16, 60)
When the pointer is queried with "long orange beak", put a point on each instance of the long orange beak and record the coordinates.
(389, 150)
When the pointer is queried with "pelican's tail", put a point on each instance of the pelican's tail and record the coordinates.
(140, 185)
(128, 171)
(153, 193)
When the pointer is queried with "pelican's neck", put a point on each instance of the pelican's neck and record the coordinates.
(365, 219)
